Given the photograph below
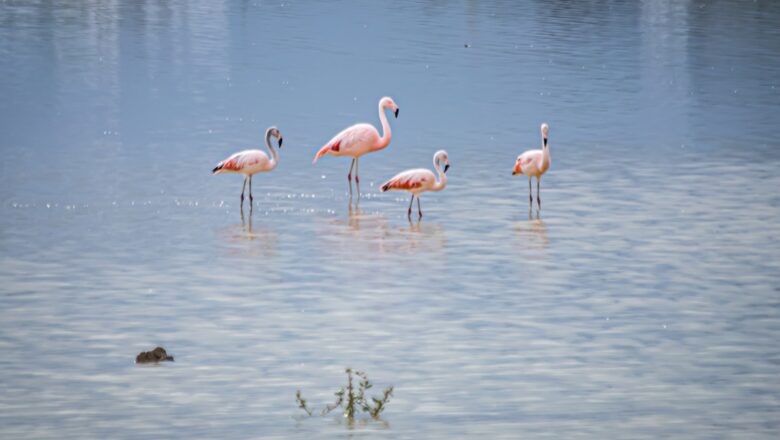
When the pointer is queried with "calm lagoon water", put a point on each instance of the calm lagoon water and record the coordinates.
(642, 302)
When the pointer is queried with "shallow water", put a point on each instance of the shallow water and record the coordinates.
(641, 302)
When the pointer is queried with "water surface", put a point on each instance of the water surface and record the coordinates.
(641, 302)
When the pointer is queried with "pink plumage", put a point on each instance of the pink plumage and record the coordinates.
(360, 139)
(251, 162)
(534, 163)
(420, 180)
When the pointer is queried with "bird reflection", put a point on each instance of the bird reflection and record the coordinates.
(533, 233)
(248, 229)
(263, 240)
(375, 233)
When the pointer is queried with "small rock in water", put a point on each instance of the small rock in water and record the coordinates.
(467, 45)
(157, 355)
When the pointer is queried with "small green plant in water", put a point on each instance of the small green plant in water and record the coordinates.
(302, 402)
(353, 399)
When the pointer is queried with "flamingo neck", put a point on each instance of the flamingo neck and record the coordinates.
(274, 154)
(387, 133)
(442, 178)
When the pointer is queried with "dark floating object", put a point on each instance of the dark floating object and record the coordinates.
(157, 355)
(467, 45)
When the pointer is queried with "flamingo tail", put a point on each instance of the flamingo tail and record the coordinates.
(333, 146)
(323, 151)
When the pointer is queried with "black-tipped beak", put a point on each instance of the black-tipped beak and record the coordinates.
(446, 167)
(280, 142)
(514, 173)
(396, 112)
(545, 141)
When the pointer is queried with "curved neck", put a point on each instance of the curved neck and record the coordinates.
(442, 178)
(387, 134)
(274, 154)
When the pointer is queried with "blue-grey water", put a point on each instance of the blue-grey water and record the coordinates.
(643, 301)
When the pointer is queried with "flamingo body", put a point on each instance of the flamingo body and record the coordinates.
(415, 181)
(419, 180)
(247, 162)
(532, 163)
(353, 141)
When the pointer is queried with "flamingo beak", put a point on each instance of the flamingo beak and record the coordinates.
(516, 170)
(446, 167)
(545, 141)
(280, 142)
(396, 112)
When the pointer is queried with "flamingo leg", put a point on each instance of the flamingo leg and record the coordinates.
(409, 211)
(530, 192)
(357, 176)
(419, 211)
(538, 199)
(251, 199)
(349, 177)
(242, 192)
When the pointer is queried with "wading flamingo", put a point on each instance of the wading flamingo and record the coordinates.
(250, 162)
(420, 180)
(360, 139)
(534, 163)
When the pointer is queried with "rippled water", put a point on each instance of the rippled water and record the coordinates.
(642, 302)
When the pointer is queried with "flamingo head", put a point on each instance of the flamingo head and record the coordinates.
(441, 157)
(387, 102)
(517, 170)
(545, 130)
(274, 132)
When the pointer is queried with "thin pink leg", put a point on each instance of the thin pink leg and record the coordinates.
(349, 177)
(357, 176)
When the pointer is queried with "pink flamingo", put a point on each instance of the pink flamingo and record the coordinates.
(250, 162)
(534, 163)
(360, 139)
(420, 180)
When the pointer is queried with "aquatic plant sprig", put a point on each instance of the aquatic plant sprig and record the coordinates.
(352, 399)
(301, 402)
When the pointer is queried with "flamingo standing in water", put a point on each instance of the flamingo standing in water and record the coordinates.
(360, 139)
(420, 180)
(250, 162)
(534, 163)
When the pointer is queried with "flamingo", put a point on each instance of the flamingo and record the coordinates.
(250, 162)
(360, 139)
(420, 180)
(534, 163)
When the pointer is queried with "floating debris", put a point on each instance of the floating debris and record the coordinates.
(157, 355)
